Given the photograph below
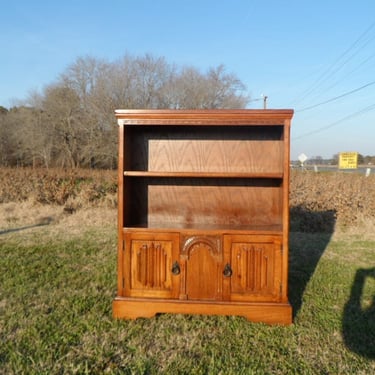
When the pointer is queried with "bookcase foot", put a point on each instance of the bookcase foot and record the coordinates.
(269, 313)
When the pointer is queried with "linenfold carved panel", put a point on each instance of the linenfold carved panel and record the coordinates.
(255, 268)
(151, 264)
(252, 265)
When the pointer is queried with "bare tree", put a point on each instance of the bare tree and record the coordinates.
(5, 142)
(71, 122)
(224, 90)
(191, 89)
(152, 74)
(62, 110)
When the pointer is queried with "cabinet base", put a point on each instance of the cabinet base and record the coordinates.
(270, 313)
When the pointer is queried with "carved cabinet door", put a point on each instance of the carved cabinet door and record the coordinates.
(151, 266)
(201, 260)
(255, 264)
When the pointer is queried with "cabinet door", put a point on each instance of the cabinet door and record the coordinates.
(201, 260)
(150, 265)
(254, 268)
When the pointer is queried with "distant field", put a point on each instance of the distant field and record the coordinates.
(58, 279)
(318, 201)
(347, 199)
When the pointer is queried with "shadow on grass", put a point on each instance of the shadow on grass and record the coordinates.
(310, 234)
(43, 222)
(358, 325)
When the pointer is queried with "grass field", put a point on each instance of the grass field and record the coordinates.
(57, 284)
(58, 280)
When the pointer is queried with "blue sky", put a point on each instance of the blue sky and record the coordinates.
(298, 53)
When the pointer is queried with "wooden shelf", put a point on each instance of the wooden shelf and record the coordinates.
(180, 227)
(203, 213)
(202, 174)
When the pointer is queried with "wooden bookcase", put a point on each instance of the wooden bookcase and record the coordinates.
(203, 213)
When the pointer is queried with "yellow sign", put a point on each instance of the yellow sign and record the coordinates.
(348, 160)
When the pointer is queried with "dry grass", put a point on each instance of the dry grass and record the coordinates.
(30, 198)
(66, 202)
(73, 188)
(348, 198)
(29, 219)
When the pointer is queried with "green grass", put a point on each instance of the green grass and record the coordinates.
(56, 317)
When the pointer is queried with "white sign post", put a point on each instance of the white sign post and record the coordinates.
(302, 158)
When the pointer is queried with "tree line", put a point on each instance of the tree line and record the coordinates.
(71, 122)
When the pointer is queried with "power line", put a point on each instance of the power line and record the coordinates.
(355, 114)
(334, 68)
(336, 97)
(352, 71)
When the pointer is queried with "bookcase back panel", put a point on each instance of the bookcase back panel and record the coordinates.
(194, 202)
(213, 149)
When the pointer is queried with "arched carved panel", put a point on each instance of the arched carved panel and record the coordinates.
(188, 244)
(203, 261)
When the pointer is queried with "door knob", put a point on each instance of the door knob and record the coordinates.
(227, 270)
(176, 268)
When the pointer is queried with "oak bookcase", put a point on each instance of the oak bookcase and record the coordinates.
(203, 213)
